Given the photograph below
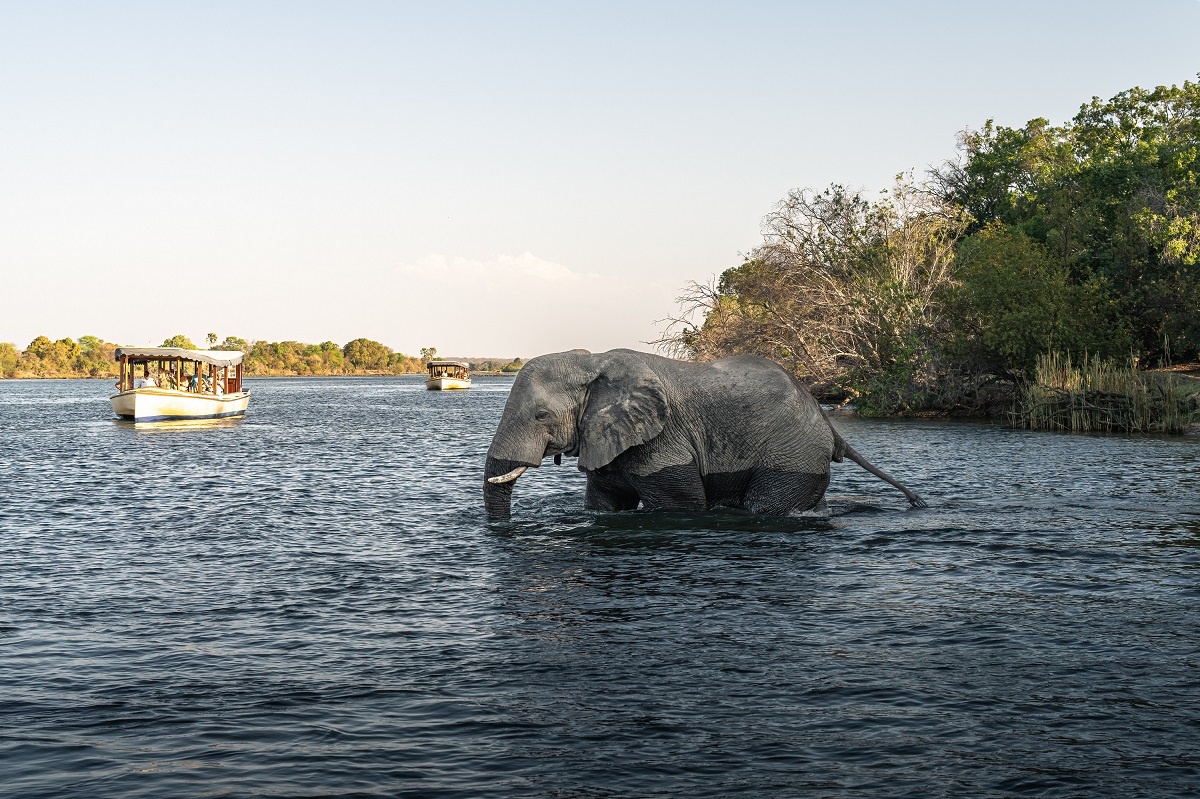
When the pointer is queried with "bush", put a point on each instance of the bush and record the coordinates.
(1101, 395)
(1014, 302)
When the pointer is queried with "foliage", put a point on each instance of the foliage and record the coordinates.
(362, 353)
(9, 360)
(181, 341)
(45, 358)
(1082, 238)
(842, 290)
(1100, 395)
(1114, 195)
(88, 357)
(97, 358)
(1013, 301)
(93, 357)
(360, 356)
(495, 364)
(428, 354)
(233, 344)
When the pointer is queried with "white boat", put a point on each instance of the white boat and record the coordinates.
(446, 375)
(167, 383)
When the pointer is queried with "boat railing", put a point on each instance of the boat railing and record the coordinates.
(179, 374)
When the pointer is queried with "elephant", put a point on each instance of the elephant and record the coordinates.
(667, 434)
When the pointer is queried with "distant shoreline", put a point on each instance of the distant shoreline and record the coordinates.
(93, 357)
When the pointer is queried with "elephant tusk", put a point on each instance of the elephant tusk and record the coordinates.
(508, 478)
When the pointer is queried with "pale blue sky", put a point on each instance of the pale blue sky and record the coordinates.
(486, 178)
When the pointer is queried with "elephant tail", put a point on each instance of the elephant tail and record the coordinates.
(839, 444)
(841, 450)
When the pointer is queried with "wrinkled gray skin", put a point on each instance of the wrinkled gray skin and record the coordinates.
(670, 435)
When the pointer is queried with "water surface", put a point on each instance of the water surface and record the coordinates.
(309, 602)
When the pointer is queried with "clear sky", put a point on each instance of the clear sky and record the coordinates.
(489, 178)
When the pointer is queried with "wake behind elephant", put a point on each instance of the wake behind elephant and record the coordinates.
(666, 434)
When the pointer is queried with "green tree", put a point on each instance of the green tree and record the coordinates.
(96, 357)
(90, 346)
(401, 364)
(40, 348)
(211, 338)
(332, 356)
(10, 359)
(1114, 194)
(234, 344)
(47, 358)
(365, 354)
(428, 354)
(1015, 302)
(181, 341)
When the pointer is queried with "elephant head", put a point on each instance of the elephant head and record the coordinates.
(576, 404)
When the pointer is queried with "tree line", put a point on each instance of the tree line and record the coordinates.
(1081, 238)
(91, 356)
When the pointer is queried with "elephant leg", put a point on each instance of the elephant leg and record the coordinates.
(673, 488)
(777, 493)
(607, 491)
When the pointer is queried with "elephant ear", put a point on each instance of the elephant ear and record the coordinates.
(626, 406)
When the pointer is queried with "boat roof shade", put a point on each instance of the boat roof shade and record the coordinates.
(450, 363)
(214, 357)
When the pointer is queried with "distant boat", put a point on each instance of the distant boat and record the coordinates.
(167, 383)
(446, 375)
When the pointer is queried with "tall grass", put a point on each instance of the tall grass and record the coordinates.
(1102, 396)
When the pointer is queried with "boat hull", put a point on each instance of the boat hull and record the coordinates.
(164, 404)
(446, 383)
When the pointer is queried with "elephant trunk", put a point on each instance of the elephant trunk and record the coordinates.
(497, 497)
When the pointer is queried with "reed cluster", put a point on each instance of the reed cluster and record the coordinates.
(1103, 396)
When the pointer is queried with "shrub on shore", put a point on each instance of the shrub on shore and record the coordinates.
(1082, 237)
(1102, 396)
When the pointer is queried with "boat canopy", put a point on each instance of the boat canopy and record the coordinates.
(450, 363)
(214, 357)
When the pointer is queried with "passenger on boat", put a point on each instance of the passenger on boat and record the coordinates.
(193, 383)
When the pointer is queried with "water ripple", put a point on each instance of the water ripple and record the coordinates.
(310, 602)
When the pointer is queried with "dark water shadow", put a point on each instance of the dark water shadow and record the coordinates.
(559, 517)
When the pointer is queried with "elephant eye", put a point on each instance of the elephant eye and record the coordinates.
(542, 415)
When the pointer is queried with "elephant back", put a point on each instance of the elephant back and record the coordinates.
(758, 415)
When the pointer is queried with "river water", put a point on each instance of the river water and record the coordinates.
(309, 602)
